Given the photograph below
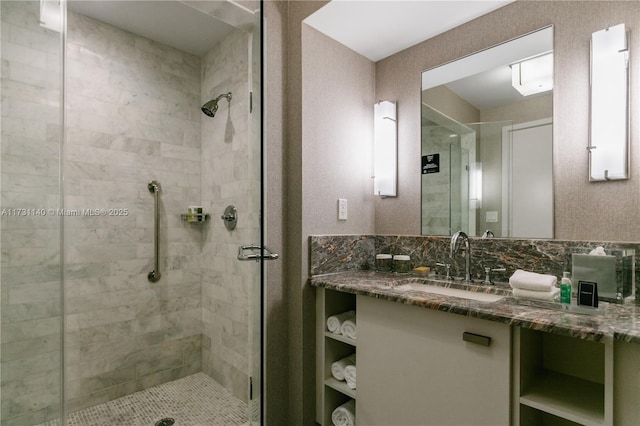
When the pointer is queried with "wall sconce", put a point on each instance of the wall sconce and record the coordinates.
(533, 75)
(51, 14)
(385, 149)
(609, 122)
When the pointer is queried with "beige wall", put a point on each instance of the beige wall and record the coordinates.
(450, 104)
(583, 210)
(337, 130)
(307, 172)
(528, 110)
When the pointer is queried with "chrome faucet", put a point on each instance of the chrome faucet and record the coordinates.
(467, 254)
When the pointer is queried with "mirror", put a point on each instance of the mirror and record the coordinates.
(486, 143)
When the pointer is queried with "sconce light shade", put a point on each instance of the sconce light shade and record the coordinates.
(51, 15)
(385, 150)
(533, 75)
(609, 124)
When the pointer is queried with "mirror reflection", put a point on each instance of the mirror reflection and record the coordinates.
(487, 141)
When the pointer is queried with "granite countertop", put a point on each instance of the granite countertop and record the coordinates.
(618, 322)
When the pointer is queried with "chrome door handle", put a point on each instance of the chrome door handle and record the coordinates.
(268, 254)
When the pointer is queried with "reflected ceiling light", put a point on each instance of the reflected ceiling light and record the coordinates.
(385, 151)
(533, 75)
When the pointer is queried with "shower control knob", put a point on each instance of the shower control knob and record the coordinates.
(230, 217)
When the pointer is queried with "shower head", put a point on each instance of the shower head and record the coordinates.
(211, 107)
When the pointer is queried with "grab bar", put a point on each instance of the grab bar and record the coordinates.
(154, 188)
(268, 254)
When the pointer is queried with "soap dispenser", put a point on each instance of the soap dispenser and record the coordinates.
(565, 289)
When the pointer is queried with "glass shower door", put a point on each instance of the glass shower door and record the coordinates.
(134, 116)
(30, 202)
(256, 295)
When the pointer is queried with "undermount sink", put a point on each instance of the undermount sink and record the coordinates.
(453, 292)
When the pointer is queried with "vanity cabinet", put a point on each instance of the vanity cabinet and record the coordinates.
(560, 380)
(331, 393)
(414, 368)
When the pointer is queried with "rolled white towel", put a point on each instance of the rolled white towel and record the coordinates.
(549, 296)
(348, 328)
(350, 376)
(337, 368)
(334, 322)
(598, 251)
(532, 281)
(344, 415)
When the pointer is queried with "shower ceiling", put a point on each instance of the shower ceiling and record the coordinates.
(168, 22)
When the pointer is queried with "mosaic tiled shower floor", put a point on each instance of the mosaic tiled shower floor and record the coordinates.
(195, 400)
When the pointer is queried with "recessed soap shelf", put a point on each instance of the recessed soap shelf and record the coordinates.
(195, 217)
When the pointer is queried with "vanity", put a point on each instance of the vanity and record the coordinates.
(428, 358)
(432, 351)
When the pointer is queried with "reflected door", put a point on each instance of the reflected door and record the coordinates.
(530, 196)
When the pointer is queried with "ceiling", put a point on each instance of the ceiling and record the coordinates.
(377, 29)
(172, 23)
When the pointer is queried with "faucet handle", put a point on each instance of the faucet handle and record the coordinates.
(487, 274)
(448, 266)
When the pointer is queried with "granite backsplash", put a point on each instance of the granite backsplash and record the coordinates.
(336, 253)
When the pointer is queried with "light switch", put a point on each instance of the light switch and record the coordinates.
(492, 216)
(342, 209)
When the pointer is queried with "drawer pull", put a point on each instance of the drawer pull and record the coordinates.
(476, 338)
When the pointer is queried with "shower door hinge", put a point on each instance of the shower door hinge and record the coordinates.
(250, 388)
(250, 102)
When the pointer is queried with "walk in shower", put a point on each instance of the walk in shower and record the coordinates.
(100, 99)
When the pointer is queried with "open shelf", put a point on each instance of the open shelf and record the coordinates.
(565, 396)
(340, 338)
(569, 379)
(333, 399)
(340, 386)
(533, 417)
(331, 347)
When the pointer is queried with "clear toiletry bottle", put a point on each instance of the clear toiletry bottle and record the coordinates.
(565, 289)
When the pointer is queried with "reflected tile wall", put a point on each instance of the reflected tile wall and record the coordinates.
(30, 322)
(133, 116)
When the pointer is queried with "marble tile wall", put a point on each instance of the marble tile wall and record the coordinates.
(30, 286)
(230, 176)
(132, 113)
(337, 253)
